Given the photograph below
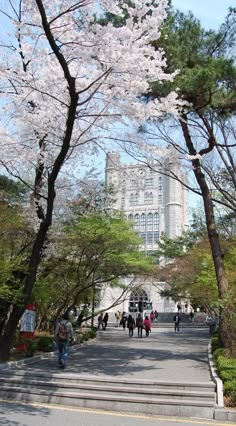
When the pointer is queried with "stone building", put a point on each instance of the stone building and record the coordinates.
(157, 204)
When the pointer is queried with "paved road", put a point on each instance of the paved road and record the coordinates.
(14, 414)
(164, 355)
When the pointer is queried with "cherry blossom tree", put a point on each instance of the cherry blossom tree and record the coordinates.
(65, 79)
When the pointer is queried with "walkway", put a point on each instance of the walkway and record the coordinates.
(164, 355)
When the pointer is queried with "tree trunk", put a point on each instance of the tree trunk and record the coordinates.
(9, 334)
(213, 236)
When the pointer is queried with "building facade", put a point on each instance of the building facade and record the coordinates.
(157, 204)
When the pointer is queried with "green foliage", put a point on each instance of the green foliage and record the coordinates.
(90, 250)
(172, 248)
(215, 343)
(206, 75)
(226, 368)
(219, 352)
(44, 343)
(15, 239)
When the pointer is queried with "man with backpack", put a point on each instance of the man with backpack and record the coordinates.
(64, 335)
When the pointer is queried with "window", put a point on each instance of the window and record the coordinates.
(136, 218)
(149, 219)
(149, 237)
(143, 220)
(134, 199)
(122, 202)
(148, 183)
(156, 220)
(148, 198)
(130, 217)
(160, 199)
(160, 183)
(133, 184)
(155, 237)
(142, 236)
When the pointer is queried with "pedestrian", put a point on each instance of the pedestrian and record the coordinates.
(63, 335)
(100, 321)
(105, 321)
(191, 315)
(179, 307)
(124, 320)
(139, 325)
(152, 317)
(130, 325)
(211, 321)
(156, 315)
(176, 320)
(119, 318)
(147, 325)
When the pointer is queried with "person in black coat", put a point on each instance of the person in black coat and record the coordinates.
(176, 320)
(105, 321)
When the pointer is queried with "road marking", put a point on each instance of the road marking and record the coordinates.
(114, 413)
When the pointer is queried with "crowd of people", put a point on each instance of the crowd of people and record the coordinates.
(64, 334)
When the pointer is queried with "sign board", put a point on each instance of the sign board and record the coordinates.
(27, 324)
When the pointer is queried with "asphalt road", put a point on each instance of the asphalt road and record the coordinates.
(15, 414)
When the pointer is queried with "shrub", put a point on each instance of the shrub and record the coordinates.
(31, 347)
(44, 343)
(226, 368)
(217, 353)
(230, 390)
(215, 343)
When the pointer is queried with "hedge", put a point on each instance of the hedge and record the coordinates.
(226, 368)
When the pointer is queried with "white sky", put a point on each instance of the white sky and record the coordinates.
(210, 12)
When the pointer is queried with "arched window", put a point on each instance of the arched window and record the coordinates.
(136, 219)
(149, 219)
(130, 217)
(143, 219)
(156, 220)
(138, 300)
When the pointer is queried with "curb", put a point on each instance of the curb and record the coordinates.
(31, 360)
(220, 413)
(24, 361)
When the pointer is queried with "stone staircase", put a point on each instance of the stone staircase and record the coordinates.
(110, 393)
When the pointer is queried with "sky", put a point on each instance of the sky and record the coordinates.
(210, 12)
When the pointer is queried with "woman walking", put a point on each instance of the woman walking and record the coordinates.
(130, 325)
(147, 325)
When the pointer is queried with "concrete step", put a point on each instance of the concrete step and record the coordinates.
(179, 398)
(111, 389)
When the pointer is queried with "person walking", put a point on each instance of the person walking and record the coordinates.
(152, 317)
(155, 315)
(64, 335)
(139, 325)
(130, 325)
(105, 321)
(147, 325)
(100, 321)
(124, 320)
(176, 320)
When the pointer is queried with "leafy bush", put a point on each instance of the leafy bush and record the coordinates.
(230, 390)
(226, 368)
(31, 347)
(44, 343)
(217, 353)
(215, 342)
(92, 333)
